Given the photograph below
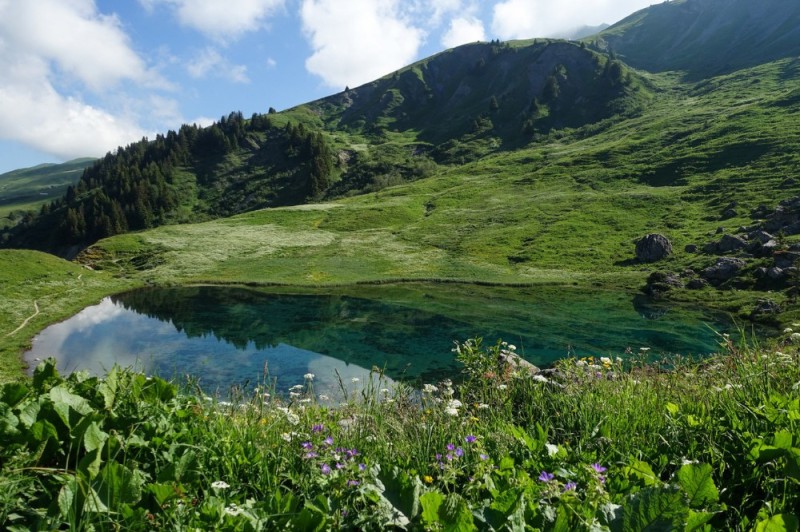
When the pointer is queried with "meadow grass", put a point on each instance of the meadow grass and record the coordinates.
(595, 444)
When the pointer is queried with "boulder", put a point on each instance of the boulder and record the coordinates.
(731, 243)
(760, 236)
(696, 284)
(775, 273)
(653, 247)
(765, 307)
(724, 269)
(690, 248)
(786, 259)
(661, 282)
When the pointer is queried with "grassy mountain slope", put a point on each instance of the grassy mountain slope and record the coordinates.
(29, 188)
(457, 106)
(706, 37)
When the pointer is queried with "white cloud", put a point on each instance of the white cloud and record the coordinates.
(221, 19)
(51, 51)
(525, 19)
(210, 62)
(357, 41)
(463, 30)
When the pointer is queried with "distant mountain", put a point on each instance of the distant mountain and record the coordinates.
(456, 106)
(29, 188)
(706, 37)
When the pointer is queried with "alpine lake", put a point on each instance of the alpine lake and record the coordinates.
(226, 337)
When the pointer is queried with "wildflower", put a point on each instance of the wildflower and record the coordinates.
(292, 418)
(570, 486)
(552, 450)
(323, 397)
(546, 477)
(597, 467)
(294, 395)
(309, 455)
(470, 439)
(484, 456)
(307, 445)
(296, 387)
(644, 349)
(319, 427)
(483, 406)
(353, 483)
(385, 391)
(580, 363)
(451, 447)
(502, 387)
(309, 376)
(451, 411)
(306, 400)
(339, 465)
(459, 452)
(362, 467)
(788, 330)
(325, 469)
(540, 378)
(429, 388)
(427, 479)
(512, 347)
(328, 440)
(355, 379)
(265, 395)
(794, 337)
(233, 510)
(220, 485)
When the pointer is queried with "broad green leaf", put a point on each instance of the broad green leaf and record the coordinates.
(455, 514)
(673, 409)
(94, 438)
(164, 491)
(654, 509)
(68, 499)
(90, 463)
(45, 373)
(431, 502)
(402, 491)
(783, 439)
(29, 412)
(698, 520)
(642, 471)
(8, 423)
(696, 480)
(117, 484)
(108, 388)
(13, 392)
(64, 400)
(779, 523)
(41, 431)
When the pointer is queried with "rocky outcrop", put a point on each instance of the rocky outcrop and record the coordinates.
(731, 243)
(653, 247)
(659, 283)
(723, 270)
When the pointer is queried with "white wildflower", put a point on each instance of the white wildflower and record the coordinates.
(512, 347)
(292, 418)
(788, 330)
(294, 395)
(618, 360)
(385, 391)
(502, 387)
(306, 400)
(451, 411)
(309, 376)
(540, 378)
(645, 349)
(605, 360)
(794, 337)
(286, 437)
(483, 406)
(232, 509)
(580, 363)
(220, 485)
(454, 403)
(429, 388)
(552, 450)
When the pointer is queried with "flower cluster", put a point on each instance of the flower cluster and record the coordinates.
(330, 462)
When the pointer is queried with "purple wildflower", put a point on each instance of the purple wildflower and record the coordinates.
(329, 440)
(570, 486)
(449, 457)
(459, 452)
(339, 465)
(351, 453)
(546, 477)
(362, 467)
(310, 454)
(307, 445)
(439, 456)
(326, 469)
(597, 467)
(470, 439)
(602, 479)
(451, 447)
(484, 456)
(353, 483)
(318, 427)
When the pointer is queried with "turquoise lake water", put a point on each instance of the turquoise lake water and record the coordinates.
(227, 336)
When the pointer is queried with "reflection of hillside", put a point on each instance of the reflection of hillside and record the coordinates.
(357, 331)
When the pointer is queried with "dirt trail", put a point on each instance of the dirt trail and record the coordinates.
(29, 318)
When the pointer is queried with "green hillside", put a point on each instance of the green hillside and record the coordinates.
(705, 37)
(29, 188)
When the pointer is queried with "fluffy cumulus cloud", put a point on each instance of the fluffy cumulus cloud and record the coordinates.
(221, 19)
(210, 62)
(463, 30)
(525, 19)
(52, 50)
(357, 41)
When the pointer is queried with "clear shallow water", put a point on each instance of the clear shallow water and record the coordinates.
(226, 336)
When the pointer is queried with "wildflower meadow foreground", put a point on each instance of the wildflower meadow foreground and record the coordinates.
(606, 443)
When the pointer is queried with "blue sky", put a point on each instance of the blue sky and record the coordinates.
(81, 77)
